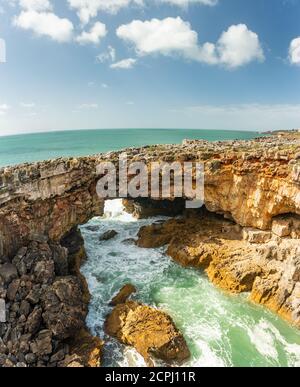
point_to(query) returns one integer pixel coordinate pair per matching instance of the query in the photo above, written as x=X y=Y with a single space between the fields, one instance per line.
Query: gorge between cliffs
x=223 y=281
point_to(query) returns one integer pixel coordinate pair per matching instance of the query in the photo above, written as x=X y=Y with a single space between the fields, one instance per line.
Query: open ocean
x=43 y=146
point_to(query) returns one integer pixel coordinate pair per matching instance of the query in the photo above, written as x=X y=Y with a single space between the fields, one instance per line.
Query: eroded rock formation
x=249 y=181
x=237 y=259
x=149 y=331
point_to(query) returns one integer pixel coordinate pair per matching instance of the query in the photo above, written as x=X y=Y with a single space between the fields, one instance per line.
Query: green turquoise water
x=43 y=146
x=221 y=330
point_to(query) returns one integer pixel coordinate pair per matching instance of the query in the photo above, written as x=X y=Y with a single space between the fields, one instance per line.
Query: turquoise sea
x=42 y=146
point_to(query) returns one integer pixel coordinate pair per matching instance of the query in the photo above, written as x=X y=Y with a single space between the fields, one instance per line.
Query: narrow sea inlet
x=221 y=330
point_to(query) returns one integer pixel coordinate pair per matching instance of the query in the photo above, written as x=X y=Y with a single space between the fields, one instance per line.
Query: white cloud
x=27 y=105
x=87 y=9
x=186 y=3
x=104 y=86
x=36 y=5
x=239 y=46
x=45 y=23
x=125 y=64
x=172 y=36
x=109 y=55
x=294 y=52
x=94 y=36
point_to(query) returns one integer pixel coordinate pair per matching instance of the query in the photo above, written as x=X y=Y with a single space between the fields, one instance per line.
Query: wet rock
x=92 y=228
x=8 y=272
x=123 y=295
x=108 y=235
x=129 y=242
x=150 y=331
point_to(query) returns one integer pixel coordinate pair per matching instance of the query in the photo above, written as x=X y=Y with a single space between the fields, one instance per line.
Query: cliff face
x=237 y=259
x=248 y=181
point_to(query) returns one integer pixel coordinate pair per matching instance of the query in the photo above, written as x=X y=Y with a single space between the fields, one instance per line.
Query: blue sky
x=211 y=64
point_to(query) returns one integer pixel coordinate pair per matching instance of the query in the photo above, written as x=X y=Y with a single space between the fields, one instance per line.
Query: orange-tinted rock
x=123 y=295
x=85 y=350
x=150 y=331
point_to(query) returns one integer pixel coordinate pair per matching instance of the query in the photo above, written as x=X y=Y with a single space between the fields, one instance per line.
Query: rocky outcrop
x=236 y=259
x=150 y=331
x=123 y=295
x=45 y=308
x=248 y=181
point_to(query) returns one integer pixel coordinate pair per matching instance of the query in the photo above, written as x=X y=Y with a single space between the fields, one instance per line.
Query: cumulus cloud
x=239 y=46
x=172 y=36
x=45 y=24
x=94 y=36
x=125 y=64
x=87 y=9
x=36 y=5
x=294 y=52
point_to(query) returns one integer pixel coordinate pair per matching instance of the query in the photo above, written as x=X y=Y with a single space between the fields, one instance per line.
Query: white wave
x=263 y=340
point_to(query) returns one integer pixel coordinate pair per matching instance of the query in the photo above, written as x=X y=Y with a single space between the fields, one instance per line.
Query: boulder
x=8 y=272
x=87 y=350
x=42 y=346
x=281 y=227
x=150 y=331
x=108 y=235
x=123 y=295
x=34 y=321
x=65 y=311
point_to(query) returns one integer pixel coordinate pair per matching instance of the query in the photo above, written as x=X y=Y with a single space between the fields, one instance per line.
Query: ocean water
x=221 y=330
x=44 y=146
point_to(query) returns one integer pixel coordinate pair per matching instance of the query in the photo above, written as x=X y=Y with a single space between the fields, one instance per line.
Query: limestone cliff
x=249 y=181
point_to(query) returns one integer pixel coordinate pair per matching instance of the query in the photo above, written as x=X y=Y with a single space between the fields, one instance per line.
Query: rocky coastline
x=247 y=239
